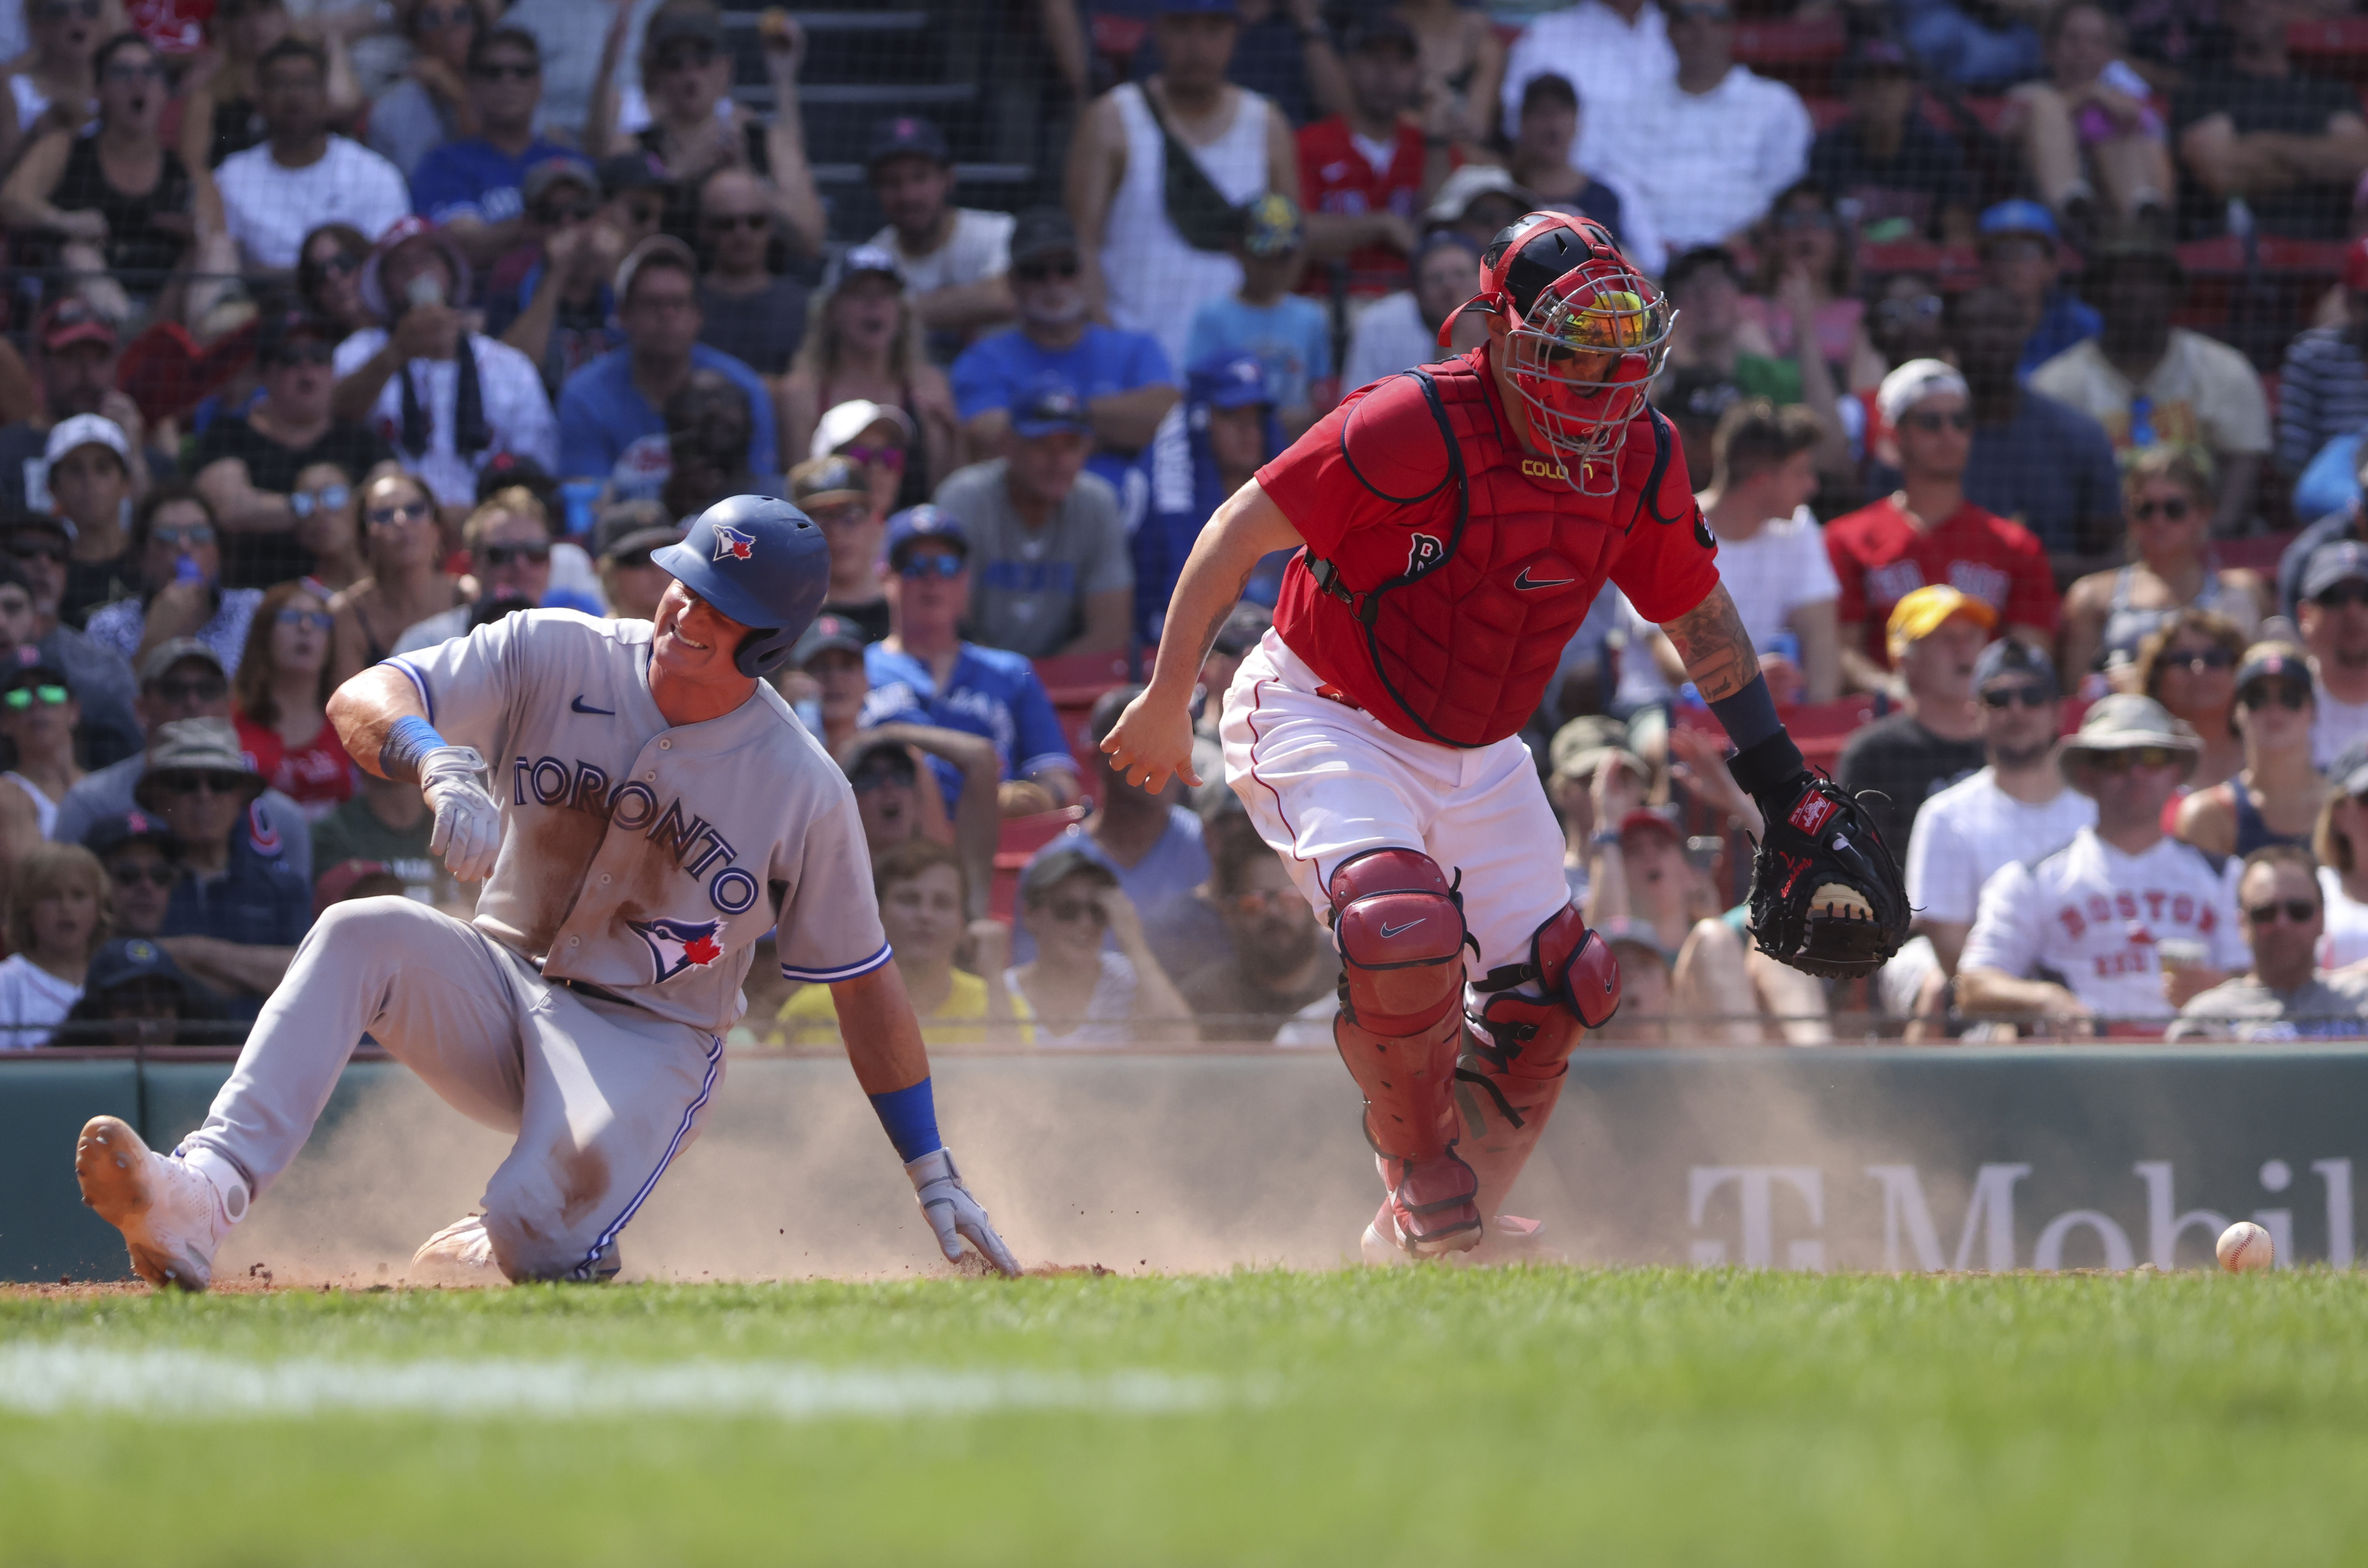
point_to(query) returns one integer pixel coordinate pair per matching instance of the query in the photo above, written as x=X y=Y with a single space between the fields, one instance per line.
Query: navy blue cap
x=906 y=136
x=917 y=523
x=2009 y=657
x=829 y=631
x=1049 y=405
x=1271 y=225
x=2332 y=564
x=2017 y=218
x=1228 y=381
x=127 y=958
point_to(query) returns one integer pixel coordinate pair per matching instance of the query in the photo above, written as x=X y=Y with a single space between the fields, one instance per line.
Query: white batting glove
x=468 y=824
x=953 y=1213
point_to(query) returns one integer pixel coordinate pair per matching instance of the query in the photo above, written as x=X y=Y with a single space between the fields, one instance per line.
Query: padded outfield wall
x=1827 y=1158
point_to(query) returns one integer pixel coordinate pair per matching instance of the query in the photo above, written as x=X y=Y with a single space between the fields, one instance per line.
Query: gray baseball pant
x=601 y=1095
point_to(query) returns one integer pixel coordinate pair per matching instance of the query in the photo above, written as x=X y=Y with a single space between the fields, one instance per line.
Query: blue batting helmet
x=761 y=562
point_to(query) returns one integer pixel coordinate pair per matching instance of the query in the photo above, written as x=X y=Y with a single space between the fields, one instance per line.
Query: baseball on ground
x=2244 y=1247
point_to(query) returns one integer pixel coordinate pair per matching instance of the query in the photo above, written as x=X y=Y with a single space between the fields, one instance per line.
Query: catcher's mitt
x=1827 y=896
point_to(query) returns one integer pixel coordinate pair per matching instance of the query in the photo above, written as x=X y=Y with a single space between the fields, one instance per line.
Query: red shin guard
x=1527 y=1019
x=1400 y=928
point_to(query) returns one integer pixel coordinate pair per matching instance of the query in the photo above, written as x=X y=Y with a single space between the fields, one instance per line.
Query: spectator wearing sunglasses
x=38 y=716
x=1051 y=572
x=629 y=531
x=2189 y=664
x=746 y=307
x=2107 y=615
x=2275 y=797
x=922 y=672
x=281 y=696
x=329 y=281
x=956 y=260
x=1927 y=532
x=2015 y=808
x=176 y=556
x=2334 y=619
x=1094 y=979
x=2074 y=940
x=837 y=494
x=1936 y=636
x=32 y=576
x=183 y=679
x=431 y=105
x=474 y=187
x=246 y=909
x=549 y=297
x=249 y=464
x=610 y=426
x=328 y=528
x=57 y=916
x=2284 y=993
x=2340 y=839
x=1126 y=377
x=508 y=540
x=143 y=861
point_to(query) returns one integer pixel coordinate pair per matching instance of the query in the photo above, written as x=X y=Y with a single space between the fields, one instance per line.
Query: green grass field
x=1417 y=1416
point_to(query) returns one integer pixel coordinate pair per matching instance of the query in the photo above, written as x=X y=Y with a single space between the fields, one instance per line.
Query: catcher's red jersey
x=1461 y=654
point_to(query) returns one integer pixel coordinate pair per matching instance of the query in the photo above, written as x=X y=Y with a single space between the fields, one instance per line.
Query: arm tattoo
x=1217 y=621
x=1716 y=650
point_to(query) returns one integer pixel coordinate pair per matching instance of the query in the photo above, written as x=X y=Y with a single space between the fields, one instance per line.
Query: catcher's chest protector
x=1503 y=559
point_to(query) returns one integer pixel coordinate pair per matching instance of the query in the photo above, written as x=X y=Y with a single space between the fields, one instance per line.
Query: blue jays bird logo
x=731 y=544
x=679 y=944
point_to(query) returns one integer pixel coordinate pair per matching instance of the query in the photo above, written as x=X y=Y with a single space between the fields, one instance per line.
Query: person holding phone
x=177 y=555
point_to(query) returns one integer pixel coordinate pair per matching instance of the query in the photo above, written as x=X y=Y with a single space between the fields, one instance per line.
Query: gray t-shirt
x=407 y=122
x=1027 y=586
x=2245 y=1009
x=760 y=330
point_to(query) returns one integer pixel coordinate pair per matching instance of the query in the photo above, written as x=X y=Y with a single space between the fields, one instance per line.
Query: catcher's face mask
x=1586 y=335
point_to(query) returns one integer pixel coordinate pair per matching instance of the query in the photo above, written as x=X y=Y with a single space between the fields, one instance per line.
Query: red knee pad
x=1529 y=1010
x=1399 y=924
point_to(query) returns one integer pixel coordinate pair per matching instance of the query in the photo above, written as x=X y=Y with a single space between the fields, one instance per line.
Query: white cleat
x=171 y=1214
x=459 y=1254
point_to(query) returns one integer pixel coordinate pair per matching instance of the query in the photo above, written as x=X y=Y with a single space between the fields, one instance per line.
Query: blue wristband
x=407 y=740
x=910 y=1114
x=1748 y=716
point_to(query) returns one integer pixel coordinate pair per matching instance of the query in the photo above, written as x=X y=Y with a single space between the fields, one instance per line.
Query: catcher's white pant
x=1322 y=781
x=601 y=1096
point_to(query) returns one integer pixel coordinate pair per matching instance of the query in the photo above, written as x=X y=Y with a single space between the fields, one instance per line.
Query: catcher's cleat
x=1429 y=1212
x=171 y=1214
x=460 y=1254
x=1827 y=896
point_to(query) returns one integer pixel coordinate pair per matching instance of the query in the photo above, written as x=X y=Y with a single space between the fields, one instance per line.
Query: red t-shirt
x=317 y=775
x=1534 y=553
x=1880 y=559
x=1335 y=177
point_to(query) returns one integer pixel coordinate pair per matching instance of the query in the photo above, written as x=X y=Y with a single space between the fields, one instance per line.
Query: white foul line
x=57 y=1379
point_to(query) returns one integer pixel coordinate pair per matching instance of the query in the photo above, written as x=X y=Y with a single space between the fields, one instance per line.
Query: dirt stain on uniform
x=583 y=1179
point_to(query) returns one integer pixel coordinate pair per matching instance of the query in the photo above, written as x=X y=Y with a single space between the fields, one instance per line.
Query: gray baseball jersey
x=645 y=857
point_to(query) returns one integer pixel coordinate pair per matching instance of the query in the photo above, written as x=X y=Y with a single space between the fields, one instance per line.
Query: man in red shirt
x=1927 y=532
x=1361 y=174
x=1452 y=524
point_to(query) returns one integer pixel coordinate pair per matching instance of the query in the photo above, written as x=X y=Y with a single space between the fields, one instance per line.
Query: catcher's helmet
x=1587 y=334
x=761 y=562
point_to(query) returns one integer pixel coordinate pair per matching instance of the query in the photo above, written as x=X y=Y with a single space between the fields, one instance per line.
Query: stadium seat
x=1804 y=52
x=1022 y=837
x=2334 y=46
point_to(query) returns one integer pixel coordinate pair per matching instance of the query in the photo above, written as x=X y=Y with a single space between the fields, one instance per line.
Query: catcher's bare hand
x=953 y=1213
x=1152 y=741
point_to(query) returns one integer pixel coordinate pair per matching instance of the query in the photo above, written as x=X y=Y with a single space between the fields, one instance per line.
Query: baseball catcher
x=1452 y=524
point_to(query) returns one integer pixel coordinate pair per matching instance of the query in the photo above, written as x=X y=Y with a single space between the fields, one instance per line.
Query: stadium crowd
x=2021 y=363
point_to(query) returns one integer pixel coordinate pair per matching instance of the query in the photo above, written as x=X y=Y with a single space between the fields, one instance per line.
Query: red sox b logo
x=1423 y=552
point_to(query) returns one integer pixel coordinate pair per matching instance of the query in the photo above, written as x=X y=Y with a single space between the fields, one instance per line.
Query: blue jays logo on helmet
x=679 y=944
x=731 y=544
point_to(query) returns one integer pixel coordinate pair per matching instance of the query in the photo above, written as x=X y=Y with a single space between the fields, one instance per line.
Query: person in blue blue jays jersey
x=655 y=809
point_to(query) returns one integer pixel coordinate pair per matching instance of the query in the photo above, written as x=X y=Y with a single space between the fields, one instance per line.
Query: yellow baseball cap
x=1917 y=615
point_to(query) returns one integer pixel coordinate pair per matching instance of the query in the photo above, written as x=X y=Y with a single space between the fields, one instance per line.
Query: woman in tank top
x=2168 y=501
x=2341 y=842
x=2276 y=796
x=38 y=715
x=863 y=342
x=1802 y=237
x=407 y=582
x=113 y=200
x=2189 y=666
x=53 y=91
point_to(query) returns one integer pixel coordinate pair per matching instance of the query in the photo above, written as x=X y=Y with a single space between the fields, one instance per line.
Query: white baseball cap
x=87 y=430
x=1912 y=383
x=848 y=420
